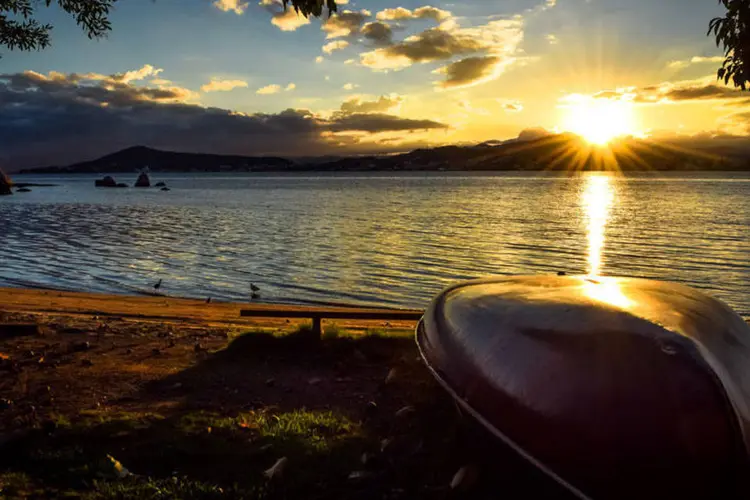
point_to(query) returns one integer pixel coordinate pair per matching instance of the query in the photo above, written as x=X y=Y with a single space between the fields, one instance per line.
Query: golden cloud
x=237 y=6
x=217 y=85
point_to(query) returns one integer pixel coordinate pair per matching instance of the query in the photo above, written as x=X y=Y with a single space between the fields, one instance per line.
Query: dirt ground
x=193 y=404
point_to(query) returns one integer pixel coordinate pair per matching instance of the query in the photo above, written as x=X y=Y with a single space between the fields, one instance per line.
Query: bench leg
x=317 y=328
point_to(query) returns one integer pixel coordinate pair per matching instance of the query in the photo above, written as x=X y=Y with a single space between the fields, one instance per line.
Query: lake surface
x=373 y=239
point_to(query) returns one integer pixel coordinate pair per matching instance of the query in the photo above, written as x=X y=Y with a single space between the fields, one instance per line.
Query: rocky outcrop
x=5 y=184
x=107 y=182
x=143 y=181
x=23 y=190
x=160 y=184
x=121 y=185
x=165 y=188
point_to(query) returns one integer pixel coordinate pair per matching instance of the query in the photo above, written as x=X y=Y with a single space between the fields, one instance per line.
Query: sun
x=598 y=121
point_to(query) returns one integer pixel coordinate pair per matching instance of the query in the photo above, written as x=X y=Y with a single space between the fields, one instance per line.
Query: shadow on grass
x=324 y=406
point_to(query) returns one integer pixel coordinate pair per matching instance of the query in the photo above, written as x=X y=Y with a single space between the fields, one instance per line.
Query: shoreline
x=196 y=402
x=172 y=309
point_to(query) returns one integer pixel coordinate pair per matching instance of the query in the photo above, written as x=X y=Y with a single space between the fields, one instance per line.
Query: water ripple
x=376 y=240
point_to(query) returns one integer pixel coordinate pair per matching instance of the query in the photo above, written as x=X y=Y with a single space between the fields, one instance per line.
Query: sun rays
x=599 y=121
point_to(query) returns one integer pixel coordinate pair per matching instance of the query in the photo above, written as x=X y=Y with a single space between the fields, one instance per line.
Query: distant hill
x=137 y=157
x=551 y=152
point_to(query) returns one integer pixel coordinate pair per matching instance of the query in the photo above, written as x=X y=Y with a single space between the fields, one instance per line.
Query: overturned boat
x=616 y=388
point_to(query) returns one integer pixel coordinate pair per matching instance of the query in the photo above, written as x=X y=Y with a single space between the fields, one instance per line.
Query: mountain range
x=550 y=152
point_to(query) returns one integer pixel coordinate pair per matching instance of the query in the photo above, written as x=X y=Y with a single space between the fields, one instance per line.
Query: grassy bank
x=107 y=407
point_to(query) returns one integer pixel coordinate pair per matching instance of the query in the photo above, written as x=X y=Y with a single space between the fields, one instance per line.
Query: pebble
x=359 y=474
x=87 y=362
x=315 y=381
x=465 y=478
x=276 y=471
x=391 y=377
x=385 y=444
x=405 y=411
x=80 y=346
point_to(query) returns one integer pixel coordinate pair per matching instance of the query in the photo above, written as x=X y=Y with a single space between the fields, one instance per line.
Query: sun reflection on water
x=598 y=199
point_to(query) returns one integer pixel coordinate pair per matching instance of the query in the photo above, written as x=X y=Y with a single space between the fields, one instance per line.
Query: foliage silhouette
x=732 y=32
x=19 y=28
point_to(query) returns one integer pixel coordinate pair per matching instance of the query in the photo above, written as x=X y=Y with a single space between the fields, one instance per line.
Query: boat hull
x=616 y=388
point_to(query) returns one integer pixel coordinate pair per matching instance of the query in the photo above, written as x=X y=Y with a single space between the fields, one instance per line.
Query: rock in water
x=5 y=184
x=107 y=181
x=160 y=184
x=615 y=388
x=143 y=181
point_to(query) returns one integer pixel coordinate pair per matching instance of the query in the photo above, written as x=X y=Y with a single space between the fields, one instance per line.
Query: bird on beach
x=157 y=285
x=208 y=300
x=254 y=290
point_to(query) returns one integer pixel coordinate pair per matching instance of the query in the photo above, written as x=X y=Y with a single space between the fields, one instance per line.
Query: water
x=374 y=239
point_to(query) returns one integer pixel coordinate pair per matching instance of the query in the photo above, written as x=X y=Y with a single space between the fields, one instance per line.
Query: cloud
x=216 y=85
x=99 y=89
x=687 y=90
x=470 y=71
x=511 y=106
x=319 y=59
x=400 y=13
x=331 y=47
x=269 y=89
x=376 y=122
x=347 y=23
x=350 y=86
x=275 y=89
x=383 y=104
x=63 y=118
x=286 y=19
x=139 y=74
x=380 y=34
x=236 y=6
x=498 y=41
x=682 y=64
x=552 y=39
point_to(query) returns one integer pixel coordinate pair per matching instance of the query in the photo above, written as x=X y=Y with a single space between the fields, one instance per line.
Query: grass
x=332 y=331
x=208 y=454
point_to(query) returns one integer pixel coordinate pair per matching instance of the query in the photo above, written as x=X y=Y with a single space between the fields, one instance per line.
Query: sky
x=381 y=76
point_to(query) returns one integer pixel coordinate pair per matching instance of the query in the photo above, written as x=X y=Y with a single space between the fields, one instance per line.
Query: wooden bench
x=317 y=314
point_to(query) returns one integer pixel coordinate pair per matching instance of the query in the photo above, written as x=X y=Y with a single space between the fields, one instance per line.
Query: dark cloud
x=377 y=122
x=492 y=43
x=703 y=92
x=378 y=33
x=60 y=119
x=676 y=92
x=469 y=71
x=384 y=103
x=346 y=23
x=434 y=45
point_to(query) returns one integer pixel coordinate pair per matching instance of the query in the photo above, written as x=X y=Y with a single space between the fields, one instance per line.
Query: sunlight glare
x=599 y=120
x=598 y=199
